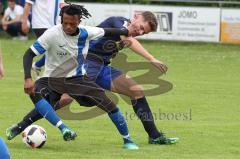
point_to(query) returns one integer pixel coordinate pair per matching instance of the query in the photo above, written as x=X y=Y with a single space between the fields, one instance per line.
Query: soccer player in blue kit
x=116 y=81
x=113 y=79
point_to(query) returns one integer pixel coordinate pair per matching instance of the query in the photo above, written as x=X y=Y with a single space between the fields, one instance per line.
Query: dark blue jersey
x=108 y=47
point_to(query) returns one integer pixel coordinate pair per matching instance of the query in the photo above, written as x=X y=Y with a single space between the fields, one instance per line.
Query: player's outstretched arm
x=1 y=66
x=97 y=32
x=115 y=32
x=137 y=47
x=27 y=65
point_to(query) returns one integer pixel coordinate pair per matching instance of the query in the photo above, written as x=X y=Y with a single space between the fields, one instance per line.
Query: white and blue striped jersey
x=65 y=54
x=45 y=13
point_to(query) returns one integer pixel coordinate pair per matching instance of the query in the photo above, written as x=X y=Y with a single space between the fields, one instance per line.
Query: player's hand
x=1 y=71
x=25 y=27
x=29 y=86
x=160 y=65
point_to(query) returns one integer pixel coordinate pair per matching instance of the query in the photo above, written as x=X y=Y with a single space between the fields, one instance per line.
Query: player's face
x=138 y=26
x=70 y=23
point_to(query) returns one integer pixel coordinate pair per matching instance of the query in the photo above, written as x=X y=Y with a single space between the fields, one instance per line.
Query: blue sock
x=46 y=110
x=40 y=62
x=4 y=153
x=119 y=121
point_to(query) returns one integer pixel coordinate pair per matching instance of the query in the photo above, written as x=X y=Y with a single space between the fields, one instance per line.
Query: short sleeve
x=41 y=45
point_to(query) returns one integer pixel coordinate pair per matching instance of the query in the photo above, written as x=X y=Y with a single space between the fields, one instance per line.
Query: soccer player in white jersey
x=66 y=46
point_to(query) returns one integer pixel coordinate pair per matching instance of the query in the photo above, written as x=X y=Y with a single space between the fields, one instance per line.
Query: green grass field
x=205 y=80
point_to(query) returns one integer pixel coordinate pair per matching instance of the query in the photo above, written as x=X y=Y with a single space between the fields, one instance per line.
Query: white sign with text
x=175 y=23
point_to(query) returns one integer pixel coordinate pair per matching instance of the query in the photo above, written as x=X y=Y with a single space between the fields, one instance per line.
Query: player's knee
x=136 y=92
x=65 y=100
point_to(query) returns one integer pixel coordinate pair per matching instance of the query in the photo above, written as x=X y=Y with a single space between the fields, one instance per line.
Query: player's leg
x=46 y=110
x=28 y=120
x=4 y=153
x=119 y=121
x=115 y=115
x=32 y=116
x=123 y=84
x=96 y=96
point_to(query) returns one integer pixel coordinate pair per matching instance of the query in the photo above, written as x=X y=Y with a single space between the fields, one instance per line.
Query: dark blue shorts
x=102 y=74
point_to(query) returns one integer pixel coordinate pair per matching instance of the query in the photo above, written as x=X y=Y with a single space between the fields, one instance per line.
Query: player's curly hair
x=74 y=9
